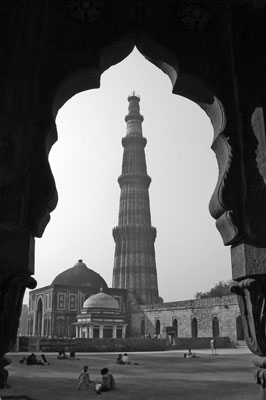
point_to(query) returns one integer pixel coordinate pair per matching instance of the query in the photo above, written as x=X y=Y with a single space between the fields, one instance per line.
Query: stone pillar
x=77 y=331
x=124 y=331
x=91 y=332
x=101 y=332
x=50 y=327
x=34 y=324
x=37 y=348
x=16 y=267
x=114 y=331
x=249 y=272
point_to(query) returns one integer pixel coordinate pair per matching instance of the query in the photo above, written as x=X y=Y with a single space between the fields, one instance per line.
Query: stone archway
x=194 y=328
x=225 y=205
x=199 y=45
x=175 y=326
x=157 y=327
x=215 y=327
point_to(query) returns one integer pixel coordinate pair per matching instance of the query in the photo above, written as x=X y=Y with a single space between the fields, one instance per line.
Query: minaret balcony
x=132 y=232
x=134 y=115
x=134 y=179
x=136 y=139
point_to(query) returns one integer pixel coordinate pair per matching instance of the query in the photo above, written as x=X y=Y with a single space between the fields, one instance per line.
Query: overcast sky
x=86 y=162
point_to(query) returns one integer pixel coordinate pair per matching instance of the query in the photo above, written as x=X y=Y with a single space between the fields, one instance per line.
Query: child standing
x=84 y=378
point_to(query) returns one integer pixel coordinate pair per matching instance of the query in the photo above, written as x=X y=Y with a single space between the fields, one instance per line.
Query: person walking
x=84 y=378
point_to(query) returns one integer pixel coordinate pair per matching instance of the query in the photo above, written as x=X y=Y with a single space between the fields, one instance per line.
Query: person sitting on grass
x=125 y=359
x=62 y=355
x=84 y=378
x=108 y=382
x=119 y=359
x=190 y=354
x=32 y=360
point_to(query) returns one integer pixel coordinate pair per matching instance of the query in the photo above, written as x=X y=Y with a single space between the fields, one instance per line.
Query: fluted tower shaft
x=134 y=263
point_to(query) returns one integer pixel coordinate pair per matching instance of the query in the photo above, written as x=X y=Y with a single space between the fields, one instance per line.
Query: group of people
x=122 y=359
x=108 y=382
x=190 y=354
x=33 y=360
x=62 y=355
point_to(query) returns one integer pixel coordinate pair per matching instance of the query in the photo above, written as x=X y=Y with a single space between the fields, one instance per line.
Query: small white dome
x=101 y=300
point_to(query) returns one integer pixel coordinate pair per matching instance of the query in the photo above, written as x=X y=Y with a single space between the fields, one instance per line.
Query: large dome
x=80 y=275
x=101 y=300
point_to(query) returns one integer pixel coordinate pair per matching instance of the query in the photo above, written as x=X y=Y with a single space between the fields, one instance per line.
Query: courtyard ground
x=160 y=375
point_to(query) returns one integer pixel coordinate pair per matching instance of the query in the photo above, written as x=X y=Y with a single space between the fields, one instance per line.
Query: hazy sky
x=86 y=162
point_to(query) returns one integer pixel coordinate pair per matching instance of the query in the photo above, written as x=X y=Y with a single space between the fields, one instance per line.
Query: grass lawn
x=165 y=375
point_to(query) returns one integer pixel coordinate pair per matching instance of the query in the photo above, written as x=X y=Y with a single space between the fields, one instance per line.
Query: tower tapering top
x=134 y=118
x=134 y=94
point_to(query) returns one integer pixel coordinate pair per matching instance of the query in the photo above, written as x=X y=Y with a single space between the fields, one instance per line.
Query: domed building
x=101 y=317
x=53 y=309
x=81 y=276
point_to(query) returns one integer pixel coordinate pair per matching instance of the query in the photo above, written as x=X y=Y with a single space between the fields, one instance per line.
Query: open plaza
x=155 y=375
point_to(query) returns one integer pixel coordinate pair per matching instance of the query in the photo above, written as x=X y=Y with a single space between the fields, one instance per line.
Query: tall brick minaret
x=134 y=263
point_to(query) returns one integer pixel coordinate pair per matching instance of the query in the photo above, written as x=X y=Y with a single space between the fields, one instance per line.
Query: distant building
x=53 y=309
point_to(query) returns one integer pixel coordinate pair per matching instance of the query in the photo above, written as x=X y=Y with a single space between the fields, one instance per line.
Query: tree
x=220 y=289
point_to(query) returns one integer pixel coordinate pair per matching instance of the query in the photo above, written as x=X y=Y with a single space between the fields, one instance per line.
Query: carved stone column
x=260 y=377
x=248 y=265
x=16 y=267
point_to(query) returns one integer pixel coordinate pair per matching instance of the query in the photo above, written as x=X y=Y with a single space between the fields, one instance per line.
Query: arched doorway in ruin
x=142 y=328
x=39 y=318
x=194 y=328
x=239 y=328
x=215 y=327
x=157 y=328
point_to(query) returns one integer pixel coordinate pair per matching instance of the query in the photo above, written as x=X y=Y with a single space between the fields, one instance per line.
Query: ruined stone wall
x=225 y=309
